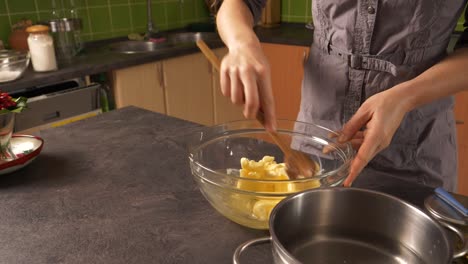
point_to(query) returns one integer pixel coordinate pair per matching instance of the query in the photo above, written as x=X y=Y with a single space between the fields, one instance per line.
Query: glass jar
x=65 y=32
x=77 y=25
x=41 y=47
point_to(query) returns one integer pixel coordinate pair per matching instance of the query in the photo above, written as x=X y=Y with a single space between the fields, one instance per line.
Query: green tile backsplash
x=296 y=11
x=300 y=11
x=112 y=18
x=106 y=18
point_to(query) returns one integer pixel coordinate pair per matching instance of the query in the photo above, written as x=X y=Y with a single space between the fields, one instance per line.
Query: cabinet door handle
x=459 y=122
x=52 y=115
x=304 y=57
x=161 y=75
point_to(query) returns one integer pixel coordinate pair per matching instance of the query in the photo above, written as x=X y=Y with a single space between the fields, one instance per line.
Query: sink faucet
x=151 y=31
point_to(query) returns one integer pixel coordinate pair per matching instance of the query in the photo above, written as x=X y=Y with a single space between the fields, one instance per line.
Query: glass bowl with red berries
x=9 y=107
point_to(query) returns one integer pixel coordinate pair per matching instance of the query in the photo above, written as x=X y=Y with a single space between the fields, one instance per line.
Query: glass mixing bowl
x=13 y=64
x=215 y=154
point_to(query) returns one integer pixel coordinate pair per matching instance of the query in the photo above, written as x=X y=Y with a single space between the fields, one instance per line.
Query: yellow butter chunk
x=262 y=209
x=266 y=169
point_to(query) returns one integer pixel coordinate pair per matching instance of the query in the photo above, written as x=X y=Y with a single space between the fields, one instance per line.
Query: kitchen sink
x=172 y=40
x=135 y=46
x=191 y=37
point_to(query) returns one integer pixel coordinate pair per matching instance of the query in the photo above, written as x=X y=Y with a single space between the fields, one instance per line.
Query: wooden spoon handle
x=274 y=135
x=209 y=54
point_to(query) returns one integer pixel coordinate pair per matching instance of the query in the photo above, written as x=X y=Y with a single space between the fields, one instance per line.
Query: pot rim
x=292 y=197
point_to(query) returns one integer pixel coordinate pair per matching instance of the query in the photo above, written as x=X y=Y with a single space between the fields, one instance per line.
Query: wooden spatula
x=298 y=164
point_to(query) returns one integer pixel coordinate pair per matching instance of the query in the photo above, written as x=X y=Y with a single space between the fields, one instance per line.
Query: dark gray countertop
x=98 y=58
x=113 y=189
x=117 y=188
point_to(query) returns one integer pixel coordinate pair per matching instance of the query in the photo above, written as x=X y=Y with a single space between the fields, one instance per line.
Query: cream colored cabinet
x=188 y=88
x=461 y=115
x=286 y=63
x=224 y=110
x=179 y=87
x=140 y=86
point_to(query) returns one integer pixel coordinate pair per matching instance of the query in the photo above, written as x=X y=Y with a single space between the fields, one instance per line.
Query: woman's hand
x=246 y=80
x=245 y=72
x=380 y=116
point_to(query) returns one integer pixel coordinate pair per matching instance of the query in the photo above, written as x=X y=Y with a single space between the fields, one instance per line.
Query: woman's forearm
x=443 y=79
x=245 y=75
x=235 y=23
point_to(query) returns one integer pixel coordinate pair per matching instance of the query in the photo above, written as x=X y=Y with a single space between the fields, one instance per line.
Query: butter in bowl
x=241 y=172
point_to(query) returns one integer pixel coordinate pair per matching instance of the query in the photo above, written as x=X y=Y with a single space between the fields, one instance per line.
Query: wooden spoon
x=298 y=164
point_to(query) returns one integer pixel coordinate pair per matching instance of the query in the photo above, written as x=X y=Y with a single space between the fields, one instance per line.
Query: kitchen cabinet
x=180 y=87
x=461 y=115
x=141 y=86
x=286 y=63
x=188 y=88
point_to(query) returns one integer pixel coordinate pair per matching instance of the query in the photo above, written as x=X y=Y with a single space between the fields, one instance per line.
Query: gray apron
x=364 y=47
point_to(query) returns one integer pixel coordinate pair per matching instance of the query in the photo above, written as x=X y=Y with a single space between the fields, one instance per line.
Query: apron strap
x=385 y=63
x=365 y=62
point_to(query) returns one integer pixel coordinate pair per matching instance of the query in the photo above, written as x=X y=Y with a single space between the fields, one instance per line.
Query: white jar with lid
x=41 y=47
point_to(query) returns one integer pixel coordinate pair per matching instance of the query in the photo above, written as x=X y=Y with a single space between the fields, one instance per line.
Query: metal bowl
x=350 y=225
x=215 y=155
x=13 y=64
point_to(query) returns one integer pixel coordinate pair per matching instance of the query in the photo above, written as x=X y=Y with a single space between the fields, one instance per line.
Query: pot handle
x=461 y=252
x=245 y=245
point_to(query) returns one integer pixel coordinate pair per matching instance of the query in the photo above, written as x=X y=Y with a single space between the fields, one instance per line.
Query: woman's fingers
x=371 y=144
x=359 y=135
x=366 y=142
x=237 y=88
x=246 y=79
x=252 y=103
x=354 y=125
x=356 y=143
x=225 y=81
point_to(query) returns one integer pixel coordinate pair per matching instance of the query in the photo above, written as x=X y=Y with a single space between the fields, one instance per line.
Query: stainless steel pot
x=350 y=225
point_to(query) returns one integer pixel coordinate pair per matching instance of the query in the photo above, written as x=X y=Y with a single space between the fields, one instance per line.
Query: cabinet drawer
x=53 y=107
